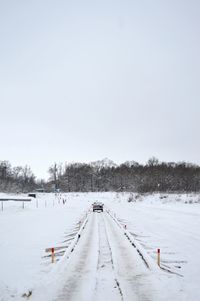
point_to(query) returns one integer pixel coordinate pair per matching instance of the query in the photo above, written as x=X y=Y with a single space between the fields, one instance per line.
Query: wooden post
x=52 y=255
x=158 y=257
x=22 y=205
x=2 y=205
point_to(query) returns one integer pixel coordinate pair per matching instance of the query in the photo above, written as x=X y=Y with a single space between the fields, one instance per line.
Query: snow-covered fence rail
x=16 y=199
x=2 y=200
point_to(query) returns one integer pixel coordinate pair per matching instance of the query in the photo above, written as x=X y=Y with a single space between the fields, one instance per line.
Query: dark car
x=97 y=207
x=33 y=195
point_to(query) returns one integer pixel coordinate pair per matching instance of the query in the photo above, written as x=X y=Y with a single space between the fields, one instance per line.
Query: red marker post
x=158 y=257
x=52 y=255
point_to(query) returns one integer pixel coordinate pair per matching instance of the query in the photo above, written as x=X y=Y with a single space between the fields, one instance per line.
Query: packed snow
x=104 y=263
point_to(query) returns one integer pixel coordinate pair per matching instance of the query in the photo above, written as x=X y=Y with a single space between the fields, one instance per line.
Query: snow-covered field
x=104 y=264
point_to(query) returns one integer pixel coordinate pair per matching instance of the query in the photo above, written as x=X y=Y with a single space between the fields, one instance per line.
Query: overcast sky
x=84 y=80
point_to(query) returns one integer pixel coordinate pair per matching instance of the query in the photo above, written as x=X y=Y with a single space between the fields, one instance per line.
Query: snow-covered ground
x=104 y=264
x=26 y=233
x=171 y=223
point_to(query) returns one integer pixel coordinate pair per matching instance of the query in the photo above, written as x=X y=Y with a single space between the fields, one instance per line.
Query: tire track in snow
x=106 y=282
x=78 y=283
x=134 y=277
x=105 y=266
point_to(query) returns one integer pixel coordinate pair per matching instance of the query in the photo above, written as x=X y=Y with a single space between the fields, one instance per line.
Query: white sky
x=84 y=80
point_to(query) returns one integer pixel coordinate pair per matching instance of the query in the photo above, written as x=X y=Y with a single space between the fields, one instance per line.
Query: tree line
x=16 y=179
x=154 y=176
x=104 y=175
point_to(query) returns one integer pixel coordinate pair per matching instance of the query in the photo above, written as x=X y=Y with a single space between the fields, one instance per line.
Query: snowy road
x=105 y=265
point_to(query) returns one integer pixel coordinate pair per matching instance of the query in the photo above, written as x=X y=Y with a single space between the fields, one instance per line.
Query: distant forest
x=16 y=179
x=104 y=175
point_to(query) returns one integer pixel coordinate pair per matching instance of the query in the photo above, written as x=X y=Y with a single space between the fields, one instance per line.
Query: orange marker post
x=158 y=257
x=52 y=255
